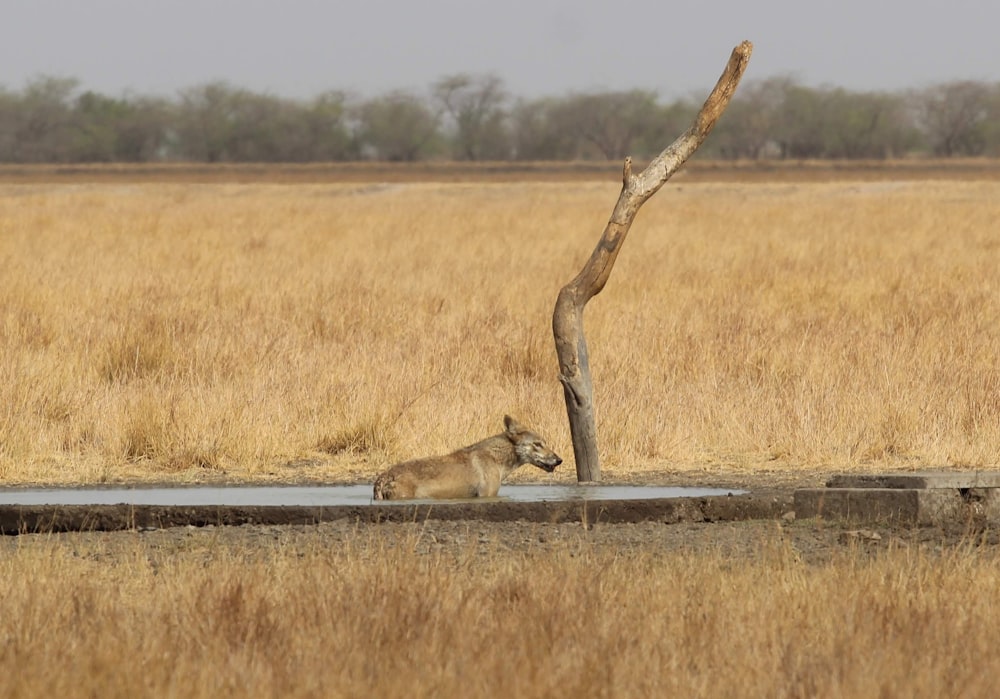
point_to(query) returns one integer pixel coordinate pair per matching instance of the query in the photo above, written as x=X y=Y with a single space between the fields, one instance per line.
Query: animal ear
x=511 y=425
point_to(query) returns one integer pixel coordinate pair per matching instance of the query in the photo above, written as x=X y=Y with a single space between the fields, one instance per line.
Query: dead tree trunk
x=567 y=318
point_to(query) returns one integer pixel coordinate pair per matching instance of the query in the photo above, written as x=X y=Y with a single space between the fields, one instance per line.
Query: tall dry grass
x=182 y=331
x=369 y=619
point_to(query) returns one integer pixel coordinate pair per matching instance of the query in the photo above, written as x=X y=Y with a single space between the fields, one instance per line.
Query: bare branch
x=567 y=318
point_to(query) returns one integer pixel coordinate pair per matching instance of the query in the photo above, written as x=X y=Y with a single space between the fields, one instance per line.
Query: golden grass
x=368 y=618
x=183 y=331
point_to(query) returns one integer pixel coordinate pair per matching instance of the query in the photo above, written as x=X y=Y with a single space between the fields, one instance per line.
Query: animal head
x=529 y=447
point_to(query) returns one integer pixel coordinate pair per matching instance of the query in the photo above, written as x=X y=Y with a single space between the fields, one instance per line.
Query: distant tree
x=801 y=128
x=206 y=121
x=107 y=129
x=753 y=123
x=609 y=122
x=665 y=123
x=954 y=117
x=991 y=129
x=398 y=126
x=866 y=125
x=581 y=127
x=470 y=117
x=265 y=129
x=142 y=132
x=537 y=134
x=95 y=122
x=222 y=123
x=40 y=121
x=476 y=109
x=9 y=116
x=327 y=135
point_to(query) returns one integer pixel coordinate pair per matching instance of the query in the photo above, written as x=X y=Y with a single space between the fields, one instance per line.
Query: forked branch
x=567 y=318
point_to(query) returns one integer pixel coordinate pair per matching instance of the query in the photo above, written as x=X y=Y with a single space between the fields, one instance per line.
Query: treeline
x=474 y=117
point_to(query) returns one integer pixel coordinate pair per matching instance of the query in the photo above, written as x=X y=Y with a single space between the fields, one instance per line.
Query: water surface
x=325 y=496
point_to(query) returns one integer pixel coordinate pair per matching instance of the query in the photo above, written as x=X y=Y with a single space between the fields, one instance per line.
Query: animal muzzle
x=550 y=465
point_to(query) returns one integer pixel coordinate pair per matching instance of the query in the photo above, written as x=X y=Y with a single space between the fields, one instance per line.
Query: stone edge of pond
x=30 y=519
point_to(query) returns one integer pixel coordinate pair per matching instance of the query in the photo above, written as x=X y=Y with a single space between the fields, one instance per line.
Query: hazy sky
x=300 y=48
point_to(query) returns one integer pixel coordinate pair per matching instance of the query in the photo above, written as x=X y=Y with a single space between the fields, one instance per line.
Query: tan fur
x=475 y=471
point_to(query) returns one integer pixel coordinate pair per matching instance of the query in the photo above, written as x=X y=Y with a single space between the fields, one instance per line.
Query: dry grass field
x=159 y=329
x=178 y=331
x=393 y=613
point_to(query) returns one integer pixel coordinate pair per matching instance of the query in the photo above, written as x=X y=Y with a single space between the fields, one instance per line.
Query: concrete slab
x=919 y=506
x=921 y=480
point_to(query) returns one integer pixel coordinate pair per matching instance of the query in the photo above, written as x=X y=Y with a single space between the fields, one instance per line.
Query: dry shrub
x=373 y=435
x=207 y=456
x=148 y=432
x=527 y=354
x=137 y=350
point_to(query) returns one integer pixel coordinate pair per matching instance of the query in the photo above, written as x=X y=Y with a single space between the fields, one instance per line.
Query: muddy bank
x=16 y=519
x=813 y=541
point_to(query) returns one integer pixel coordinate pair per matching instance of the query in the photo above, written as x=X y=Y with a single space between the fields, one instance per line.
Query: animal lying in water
x=474 y=471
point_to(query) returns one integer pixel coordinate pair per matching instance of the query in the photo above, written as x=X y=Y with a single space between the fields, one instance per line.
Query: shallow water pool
x=326 y=496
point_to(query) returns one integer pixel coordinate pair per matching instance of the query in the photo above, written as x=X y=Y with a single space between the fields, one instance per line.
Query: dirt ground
x=379 y=172
x=813 y=541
